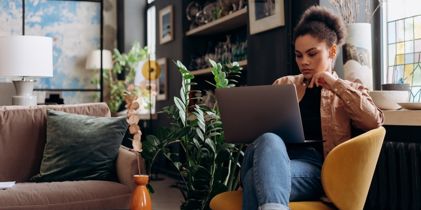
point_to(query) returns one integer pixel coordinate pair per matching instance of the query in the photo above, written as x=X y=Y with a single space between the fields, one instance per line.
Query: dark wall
x=130 y=21
x=173 y=51
x=271 y=53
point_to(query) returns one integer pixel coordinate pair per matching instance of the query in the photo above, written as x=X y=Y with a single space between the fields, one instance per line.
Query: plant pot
x=122 y=75
x=357 y=54
x=141 y=200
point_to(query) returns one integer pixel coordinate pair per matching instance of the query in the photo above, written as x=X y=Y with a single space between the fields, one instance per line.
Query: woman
x=272 y=174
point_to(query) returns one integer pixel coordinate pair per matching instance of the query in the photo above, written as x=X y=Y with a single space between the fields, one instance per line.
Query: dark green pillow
x=80 y=147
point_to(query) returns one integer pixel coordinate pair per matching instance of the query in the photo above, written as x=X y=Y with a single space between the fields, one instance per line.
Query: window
x=151 y=28
x=401 y=21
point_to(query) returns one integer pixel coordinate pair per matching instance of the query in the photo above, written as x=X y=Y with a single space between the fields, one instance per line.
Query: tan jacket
x=348 y=104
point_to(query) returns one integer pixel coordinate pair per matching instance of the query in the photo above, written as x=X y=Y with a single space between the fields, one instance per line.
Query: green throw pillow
x=80 y=147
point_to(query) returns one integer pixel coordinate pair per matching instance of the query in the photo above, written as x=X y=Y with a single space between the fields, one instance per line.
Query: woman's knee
x=270 y=141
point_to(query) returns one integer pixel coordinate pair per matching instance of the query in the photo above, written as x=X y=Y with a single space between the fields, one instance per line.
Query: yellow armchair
x=346 y=176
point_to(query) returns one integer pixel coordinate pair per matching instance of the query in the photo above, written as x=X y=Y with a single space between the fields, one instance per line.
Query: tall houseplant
x=122 y=75
x=205 y=163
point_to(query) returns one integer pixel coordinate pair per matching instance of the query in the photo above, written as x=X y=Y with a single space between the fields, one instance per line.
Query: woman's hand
x=324 y=79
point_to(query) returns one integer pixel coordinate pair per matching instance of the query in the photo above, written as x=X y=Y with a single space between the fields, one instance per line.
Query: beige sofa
x=22 y=139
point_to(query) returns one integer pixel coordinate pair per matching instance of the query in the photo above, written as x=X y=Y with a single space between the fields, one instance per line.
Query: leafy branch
x=122 y=75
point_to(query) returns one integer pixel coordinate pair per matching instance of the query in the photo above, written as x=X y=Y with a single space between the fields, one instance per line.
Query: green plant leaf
x=200 y=134
x=211 y=145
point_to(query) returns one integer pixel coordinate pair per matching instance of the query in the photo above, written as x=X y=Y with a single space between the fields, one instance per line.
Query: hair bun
x=328 y=18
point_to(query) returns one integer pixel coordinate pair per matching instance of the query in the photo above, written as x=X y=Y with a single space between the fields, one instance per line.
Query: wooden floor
x=166 y=197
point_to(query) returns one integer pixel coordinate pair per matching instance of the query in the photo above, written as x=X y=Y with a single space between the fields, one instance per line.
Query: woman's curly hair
x=323 y=24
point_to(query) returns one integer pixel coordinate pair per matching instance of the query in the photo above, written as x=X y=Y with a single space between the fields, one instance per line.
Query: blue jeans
x=272 y=175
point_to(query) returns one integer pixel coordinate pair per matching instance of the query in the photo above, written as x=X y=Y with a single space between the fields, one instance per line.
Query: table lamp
x=93 y=62
x=25 y=56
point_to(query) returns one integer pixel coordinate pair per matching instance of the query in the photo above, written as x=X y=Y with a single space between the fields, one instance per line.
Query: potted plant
x=205 y=163
x=122 y=75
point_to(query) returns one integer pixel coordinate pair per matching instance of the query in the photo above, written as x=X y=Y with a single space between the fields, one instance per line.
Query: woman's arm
x=361 y=108
x=359 y=105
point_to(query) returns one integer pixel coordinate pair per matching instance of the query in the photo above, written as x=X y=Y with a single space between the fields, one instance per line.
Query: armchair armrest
x=126 y=166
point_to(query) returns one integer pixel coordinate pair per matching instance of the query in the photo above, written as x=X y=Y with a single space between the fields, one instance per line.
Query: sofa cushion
x=66 y=195
x=22 y=136
x=80 y=147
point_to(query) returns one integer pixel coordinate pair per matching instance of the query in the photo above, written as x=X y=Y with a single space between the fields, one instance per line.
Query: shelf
x=228 y=22
x=208 y=70
x=402 y=117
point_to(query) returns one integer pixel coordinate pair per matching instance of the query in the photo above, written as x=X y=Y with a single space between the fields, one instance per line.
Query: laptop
x=248 y=112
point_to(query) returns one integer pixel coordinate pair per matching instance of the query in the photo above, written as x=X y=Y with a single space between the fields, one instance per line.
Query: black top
x=310 y=114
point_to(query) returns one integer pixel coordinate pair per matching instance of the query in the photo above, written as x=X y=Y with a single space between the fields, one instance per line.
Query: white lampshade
x=93 y=62
x=26 y=56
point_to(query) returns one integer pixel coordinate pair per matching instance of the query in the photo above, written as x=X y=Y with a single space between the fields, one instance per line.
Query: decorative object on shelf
x=206 y=164
x=389 y=99
x=192 y=11
x=163 y=79
x=357 y=54
x=212 y=11
x=141 y=199
x=223 y=52
x=229 y=6
x=166 y=25
x=26 y=56
x=199 y=14
x=357 y=51
x=265 y=15
x=411 y=105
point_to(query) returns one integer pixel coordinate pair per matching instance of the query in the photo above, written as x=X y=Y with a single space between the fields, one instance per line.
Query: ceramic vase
x=357 y=54
x=141 y=200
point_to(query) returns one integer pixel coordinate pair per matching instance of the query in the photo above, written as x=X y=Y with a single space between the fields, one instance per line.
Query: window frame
x=149 y=6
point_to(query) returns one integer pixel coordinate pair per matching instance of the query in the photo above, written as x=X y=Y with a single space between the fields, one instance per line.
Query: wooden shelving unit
x=226 y=23
x=208 y=70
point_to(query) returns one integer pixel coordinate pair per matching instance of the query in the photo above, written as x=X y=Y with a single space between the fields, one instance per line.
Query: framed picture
x=265 y=15
x=166 y=28
x=163 y=79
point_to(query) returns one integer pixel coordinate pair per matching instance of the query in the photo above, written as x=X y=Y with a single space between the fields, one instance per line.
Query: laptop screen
x=248 y=112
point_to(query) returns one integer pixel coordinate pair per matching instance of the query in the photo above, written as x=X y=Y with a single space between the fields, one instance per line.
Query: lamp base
x=24 y=100
x=24 y=95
